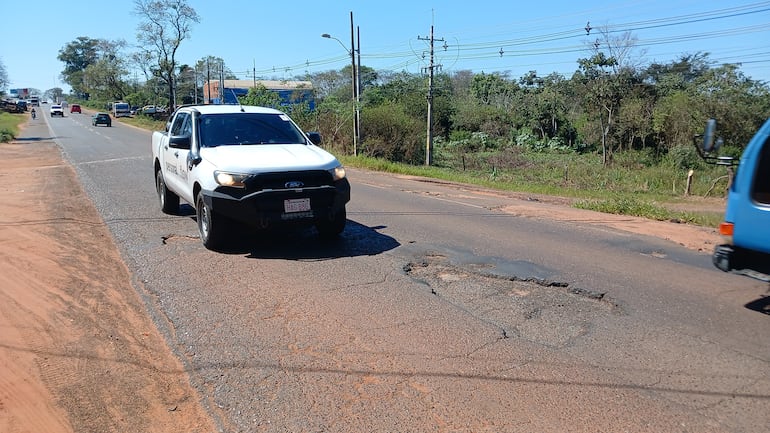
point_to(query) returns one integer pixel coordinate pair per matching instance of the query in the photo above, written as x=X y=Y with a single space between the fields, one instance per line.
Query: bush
x=684 y=157
x=392 y=134
x=6 y=135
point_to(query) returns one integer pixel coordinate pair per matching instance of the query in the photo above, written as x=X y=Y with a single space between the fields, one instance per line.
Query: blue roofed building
x=228 y=91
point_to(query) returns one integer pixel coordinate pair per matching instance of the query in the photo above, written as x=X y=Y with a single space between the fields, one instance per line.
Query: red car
x=75 y=108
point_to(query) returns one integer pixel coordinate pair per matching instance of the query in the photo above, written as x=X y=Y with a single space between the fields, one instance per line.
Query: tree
x=261 y=96
x=165 y=24
x=54 y=94
x=494 y=89
x=3 y=78
x=77 y=56
x=327 y=83
x=619 y=47
x=187 y=85
x=739 y=104
x=603 y=94
x=105 y=79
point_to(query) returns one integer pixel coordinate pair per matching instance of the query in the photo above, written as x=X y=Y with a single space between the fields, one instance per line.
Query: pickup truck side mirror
x=712 y=143
x=315 y=137
x=179 y=141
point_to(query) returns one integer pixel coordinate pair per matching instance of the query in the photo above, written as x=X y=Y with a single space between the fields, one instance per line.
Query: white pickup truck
x=250 y=165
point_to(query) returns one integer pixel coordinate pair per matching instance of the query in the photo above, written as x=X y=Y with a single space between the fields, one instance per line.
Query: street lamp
x=354 y=82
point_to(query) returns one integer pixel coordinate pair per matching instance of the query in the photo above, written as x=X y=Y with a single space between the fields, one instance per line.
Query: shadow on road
x=33 y=139
x=306 y=244
x=761 y=305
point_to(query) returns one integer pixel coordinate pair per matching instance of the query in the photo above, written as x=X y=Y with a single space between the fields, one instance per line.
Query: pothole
x=544 y=311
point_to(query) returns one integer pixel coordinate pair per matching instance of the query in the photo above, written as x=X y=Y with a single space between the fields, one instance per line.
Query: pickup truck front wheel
x=211 y=226
x=169 y=202
x=333 y=225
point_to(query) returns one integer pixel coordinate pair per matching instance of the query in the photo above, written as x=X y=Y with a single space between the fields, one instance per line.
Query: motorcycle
x=33 y=114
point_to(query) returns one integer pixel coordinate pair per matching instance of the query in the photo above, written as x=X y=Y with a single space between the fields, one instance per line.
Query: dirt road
x=77 y=350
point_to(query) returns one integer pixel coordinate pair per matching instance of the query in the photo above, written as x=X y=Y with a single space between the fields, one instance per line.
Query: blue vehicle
x=747 y=217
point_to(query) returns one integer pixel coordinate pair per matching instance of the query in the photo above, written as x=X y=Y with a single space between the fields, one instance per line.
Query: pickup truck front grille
x=289 y=180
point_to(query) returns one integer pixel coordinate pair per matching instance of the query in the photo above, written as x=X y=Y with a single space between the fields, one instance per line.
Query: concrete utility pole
x=354 y=74
x=355 y=80
x=358 y=88
x=431 y=67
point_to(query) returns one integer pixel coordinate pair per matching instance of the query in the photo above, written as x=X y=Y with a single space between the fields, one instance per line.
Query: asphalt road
x=434 y=311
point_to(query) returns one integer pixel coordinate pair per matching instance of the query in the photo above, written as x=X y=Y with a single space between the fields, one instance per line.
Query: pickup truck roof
x=228 y=109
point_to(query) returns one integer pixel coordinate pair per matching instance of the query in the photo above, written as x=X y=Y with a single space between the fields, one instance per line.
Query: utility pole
x=431 y=67
x=353 y=82
x=358 y=87
x=208 y=82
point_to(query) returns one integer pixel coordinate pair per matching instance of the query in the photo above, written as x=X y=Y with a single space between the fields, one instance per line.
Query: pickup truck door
x=175 y=157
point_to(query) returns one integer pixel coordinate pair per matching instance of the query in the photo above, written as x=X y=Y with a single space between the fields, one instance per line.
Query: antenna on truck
x=237 y=100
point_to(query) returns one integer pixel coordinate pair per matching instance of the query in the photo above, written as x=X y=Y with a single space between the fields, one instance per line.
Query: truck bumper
x=266 y=208
x=754 y=264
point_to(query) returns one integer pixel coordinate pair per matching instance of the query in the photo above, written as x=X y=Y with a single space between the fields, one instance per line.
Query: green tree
x=495 y=90
x=676 y=118
x=77 y=56
x=187 y=88
x=261 y=96
x=543 y=109
x=105 y=79
x=334 y=119
x=54 y=94
x=165 y=25
x=603 y=91
x=739 y=104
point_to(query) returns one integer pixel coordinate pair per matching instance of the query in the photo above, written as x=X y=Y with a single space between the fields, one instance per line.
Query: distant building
x=290 y=92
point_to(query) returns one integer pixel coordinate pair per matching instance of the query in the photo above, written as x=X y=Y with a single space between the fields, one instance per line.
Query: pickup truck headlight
x=338 y=173
x=235 y=180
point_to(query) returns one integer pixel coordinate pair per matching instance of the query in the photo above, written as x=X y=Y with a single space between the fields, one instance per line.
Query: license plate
x=296 y=205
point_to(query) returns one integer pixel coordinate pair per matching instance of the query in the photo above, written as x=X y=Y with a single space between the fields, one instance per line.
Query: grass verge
x=625 y=196
x=9 y=125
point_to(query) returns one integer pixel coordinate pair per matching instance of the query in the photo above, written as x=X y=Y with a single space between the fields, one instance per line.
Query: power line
x=517 y=47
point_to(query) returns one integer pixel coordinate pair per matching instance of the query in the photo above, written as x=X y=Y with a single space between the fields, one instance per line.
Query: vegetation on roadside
x=653 y=193
x=9 y=125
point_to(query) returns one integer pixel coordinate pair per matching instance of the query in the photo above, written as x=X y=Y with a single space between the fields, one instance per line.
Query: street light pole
x=354 y=83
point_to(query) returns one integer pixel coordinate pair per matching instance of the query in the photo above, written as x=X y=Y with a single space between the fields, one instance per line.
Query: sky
x=282 y=40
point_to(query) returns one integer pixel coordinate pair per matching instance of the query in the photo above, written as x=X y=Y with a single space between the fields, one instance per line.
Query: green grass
x=650 y=210
x=627 y=188
x=145 y=123
x=9 y=125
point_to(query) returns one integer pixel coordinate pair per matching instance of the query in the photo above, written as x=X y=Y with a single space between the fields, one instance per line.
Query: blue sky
x=283 y=39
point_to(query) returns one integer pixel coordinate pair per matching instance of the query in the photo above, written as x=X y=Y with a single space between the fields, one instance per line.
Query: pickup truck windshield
x=248 y=128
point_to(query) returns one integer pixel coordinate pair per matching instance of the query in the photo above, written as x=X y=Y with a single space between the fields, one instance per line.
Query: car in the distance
x=56 y=110
x=149 y=109
x=101 y=119
x=75 y=108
